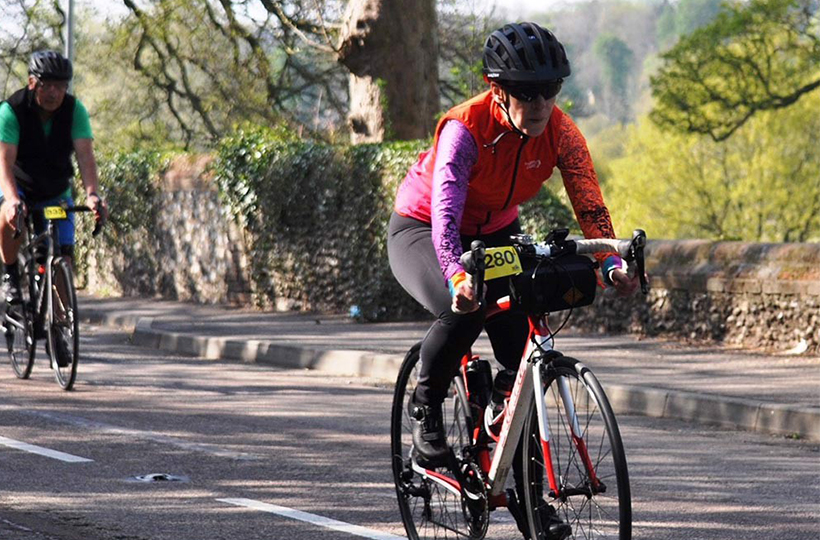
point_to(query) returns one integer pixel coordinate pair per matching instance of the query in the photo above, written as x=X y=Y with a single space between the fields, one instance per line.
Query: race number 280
x=500 y=262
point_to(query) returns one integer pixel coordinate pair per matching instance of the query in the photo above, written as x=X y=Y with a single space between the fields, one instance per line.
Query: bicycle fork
x=576 y=433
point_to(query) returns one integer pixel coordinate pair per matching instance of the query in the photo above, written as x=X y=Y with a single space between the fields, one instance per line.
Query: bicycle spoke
x=589 y=513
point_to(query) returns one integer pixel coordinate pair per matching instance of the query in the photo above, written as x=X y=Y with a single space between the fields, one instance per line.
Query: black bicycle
x=48 y=309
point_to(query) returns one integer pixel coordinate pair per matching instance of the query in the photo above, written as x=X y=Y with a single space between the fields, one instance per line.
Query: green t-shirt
x=10 y=128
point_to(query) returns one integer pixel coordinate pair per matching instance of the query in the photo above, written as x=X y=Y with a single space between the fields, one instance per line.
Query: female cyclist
x=490 y=154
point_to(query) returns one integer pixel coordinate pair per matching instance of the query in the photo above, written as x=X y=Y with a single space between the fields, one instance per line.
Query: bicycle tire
x=63 y=325
x=19 y=332
x=18 y=325
x=428 y=511
x=598 y=514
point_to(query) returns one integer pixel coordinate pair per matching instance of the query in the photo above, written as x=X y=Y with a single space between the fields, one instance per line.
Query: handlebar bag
x=550 y=285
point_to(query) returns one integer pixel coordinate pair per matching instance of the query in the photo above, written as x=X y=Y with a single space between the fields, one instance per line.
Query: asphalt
x=732 y=388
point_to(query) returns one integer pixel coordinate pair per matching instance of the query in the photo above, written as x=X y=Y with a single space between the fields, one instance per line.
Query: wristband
x=455 y=280
x=612 y=263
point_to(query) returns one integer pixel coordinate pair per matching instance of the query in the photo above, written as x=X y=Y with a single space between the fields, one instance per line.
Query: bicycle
x=49 y=302
x=556 y=408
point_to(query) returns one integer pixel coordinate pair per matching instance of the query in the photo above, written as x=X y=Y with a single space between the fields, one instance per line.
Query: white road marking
x=313 y=519
x=102 y=427
x=34 y=449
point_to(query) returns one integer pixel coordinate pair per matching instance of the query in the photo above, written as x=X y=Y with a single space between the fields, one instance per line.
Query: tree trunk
x=391 y=50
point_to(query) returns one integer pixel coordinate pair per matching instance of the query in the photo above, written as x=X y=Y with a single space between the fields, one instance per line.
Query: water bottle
x=479 y=381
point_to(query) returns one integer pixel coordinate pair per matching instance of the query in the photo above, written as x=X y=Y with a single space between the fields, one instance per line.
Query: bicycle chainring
x=475 y=500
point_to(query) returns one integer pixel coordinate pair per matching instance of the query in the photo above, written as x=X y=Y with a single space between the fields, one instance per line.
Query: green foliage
x=128 y=184
x=317 y=218
x=755 y=56
x=546 y=212
x=462 y=29
x=760 y=185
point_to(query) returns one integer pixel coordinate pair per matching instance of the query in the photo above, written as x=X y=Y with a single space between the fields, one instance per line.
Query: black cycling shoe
x=552 y=526
x=429 y=440
x=557 y=528
x=11 y=288
x=62 y=357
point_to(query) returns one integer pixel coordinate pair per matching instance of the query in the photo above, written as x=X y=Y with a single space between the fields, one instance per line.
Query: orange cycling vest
x=510 y=169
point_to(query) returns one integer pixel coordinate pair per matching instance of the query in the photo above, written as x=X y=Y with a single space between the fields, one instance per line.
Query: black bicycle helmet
x=50 y=65
x=524 y=53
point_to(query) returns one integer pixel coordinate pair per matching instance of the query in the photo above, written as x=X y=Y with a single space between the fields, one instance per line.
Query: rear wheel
x=432 y=509
x=63 y=327
x=595 y=505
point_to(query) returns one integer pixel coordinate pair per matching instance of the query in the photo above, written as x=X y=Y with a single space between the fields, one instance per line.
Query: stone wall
x=189 y=249
x=758 y=295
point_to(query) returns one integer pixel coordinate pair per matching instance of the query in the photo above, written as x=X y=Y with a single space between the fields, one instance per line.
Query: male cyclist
x=490 y=154
x=41 y=125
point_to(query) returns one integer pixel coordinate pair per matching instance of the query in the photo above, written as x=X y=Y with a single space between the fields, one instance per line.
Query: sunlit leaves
x=756 y=56
x=762 y=184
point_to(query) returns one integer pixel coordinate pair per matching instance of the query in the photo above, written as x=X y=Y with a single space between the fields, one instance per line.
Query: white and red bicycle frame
x=528 y=386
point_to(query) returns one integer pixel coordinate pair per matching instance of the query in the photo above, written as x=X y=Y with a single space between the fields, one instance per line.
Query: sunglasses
x=52 y=85
x=528 y=93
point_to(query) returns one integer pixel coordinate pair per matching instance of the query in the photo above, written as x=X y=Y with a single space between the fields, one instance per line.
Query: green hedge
x=315 y=219
x=128 y=182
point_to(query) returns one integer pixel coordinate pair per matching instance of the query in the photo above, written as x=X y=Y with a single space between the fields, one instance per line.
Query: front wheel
x=589 y=465
x=18 y=328
x=63 y=325
x=19 y=333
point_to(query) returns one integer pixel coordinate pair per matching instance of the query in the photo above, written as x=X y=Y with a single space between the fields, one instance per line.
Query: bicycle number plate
x=55 y=212
x=501 y=262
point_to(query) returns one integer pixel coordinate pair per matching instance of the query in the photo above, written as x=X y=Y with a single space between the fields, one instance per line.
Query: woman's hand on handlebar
x=463 y=292
x=625 y=284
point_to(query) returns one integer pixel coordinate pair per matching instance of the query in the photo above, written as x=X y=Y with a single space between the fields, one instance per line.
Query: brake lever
x=18 y=221
x=479 y=251
x=473 y=263
x=98 y=226
x=636 y=253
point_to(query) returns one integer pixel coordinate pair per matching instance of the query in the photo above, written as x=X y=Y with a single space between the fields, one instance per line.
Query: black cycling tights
x=415 y=265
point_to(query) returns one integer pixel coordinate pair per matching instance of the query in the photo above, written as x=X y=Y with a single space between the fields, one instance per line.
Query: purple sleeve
x=456 y=154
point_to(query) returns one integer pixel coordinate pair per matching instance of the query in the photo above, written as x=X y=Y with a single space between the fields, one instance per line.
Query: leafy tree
x=212 y=63
x=760 y=185
x=462 y=31
x=546 y=211
x=756 y=56
x=26 y=26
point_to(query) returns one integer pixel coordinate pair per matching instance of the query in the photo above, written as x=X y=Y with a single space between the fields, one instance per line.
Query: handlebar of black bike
x=18 y=220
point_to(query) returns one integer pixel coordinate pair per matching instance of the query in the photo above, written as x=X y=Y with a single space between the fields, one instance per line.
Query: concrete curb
x=735 y=413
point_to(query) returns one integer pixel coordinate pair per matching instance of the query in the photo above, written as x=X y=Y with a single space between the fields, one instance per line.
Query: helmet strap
x=505 y=106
